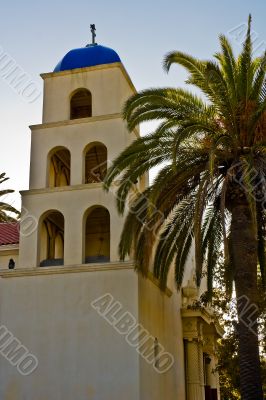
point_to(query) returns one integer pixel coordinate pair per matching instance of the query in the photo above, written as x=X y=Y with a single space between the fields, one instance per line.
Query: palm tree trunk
x=244 y=253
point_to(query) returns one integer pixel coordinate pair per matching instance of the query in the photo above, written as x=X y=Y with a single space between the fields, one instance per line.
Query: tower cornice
x=89 y=69
x=68 y=122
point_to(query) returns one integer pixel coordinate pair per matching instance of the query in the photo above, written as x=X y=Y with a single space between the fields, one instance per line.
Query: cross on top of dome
x=93 y=33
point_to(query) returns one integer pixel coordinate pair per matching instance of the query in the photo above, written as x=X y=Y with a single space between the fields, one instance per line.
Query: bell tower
x=91 y=327
x=81 y=133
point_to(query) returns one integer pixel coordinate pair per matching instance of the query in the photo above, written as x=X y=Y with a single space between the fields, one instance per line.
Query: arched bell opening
x=59 y=160
x=81 y=104
x=51 y=239
x=95 y=163
x=97 y=235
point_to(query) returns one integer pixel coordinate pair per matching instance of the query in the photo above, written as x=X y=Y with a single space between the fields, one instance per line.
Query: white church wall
x=80 y=355
x=160 y=315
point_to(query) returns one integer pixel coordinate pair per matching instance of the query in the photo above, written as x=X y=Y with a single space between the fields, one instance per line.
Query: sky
x=35 y=35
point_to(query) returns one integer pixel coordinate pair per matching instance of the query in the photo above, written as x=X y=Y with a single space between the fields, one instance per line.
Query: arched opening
x=97 y=235
x=51 y=239
x=81 y=104
x=59 y=167
x=95 y=163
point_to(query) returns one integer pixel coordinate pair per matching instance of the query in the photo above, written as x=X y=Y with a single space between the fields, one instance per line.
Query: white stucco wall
x=80 y=355
x=160 y=314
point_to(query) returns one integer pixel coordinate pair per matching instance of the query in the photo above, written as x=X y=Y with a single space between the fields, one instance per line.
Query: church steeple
x=82 y=132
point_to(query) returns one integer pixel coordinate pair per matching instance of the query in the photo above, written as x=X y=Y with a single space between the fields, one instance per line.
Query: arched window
x=81 y=104
x=95 y=163
x=51 y=239
x=59 y=167
x=97 y=235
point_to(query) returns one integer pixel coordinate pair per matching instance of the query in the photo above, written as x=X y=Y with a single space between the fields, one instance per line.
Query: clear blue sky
x=37 y=34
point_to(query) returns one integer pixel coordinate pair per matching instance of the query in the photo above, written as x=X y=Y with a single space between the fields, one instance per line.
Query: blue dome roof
x=87 y=57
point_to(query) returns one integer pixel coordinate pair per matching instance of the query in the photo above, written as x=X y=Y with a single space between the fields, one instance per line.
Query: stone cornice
x=203 y=315
x=70 y=188
x=88 y=69
x=70 y=122
x=156 y=282
x=64 y=269
x=9 y=249
x=96 y=118
x=22 y=272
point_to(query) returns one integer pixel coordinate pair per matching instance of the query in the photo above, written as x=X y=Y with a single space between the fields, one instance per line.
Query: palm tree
x=211 y=188
x=6 y=210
